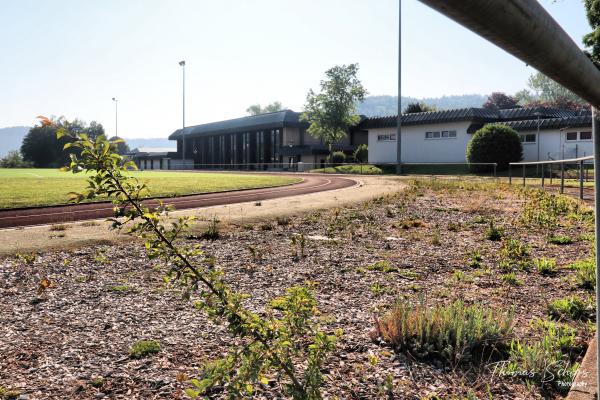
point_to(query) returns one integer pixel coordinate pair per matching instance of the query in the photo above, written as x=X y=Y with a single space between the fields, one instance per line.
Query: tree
x=14 y=160
x=547 y=93
x=256 y=109
x=122 y=146
x=332 y=111
x=592 y=40
x=361 y=154
x=416 y=107
x=500 y=101
x=494 y=143
x=42 y=148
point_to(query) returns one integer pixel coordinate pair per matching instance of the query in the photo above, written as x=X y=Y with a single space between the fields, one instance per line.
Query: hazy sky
x=70 y=57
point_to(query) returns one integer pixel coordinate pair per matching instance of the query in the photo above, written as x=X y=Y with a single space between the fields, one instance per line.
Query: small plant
x=100 y=257
x=586 y=273
x=119 y=288
x=256 y=253
x=514 y=255
x=492 y=233
x=382 y=266
x=560 y=239
x=283 y=221
x=571 y=307
x=298 y=242
x=454 y=333
x=90 y=223
x=475 y=259
x=512 y=279
x=55 y=228
x=377 y=289
x=479 y=220
x=460 y=276
x=545 y=209
x=97 y=382
x=212 y=230
x=27 y=258
x=453 y=227
x=436 y=239
x=545 y=266
x=411 y=223
x=144 y=348
x=258 y=203
x=266 y=226
x=8 y=394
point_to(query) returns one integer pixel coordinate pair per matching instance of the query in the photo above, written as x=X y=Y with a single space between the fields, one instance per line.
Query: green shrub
x=144 y=348
x=494 y=144
x=547 y=361
x=337 y=158
x=452 y=333
x=361 y=154
x=494 y=234
x=586 y=273
x=382 y=266
x=512 y=279
x=514 y=255
x=571 y=307
x=545 y=266
x=560 y=239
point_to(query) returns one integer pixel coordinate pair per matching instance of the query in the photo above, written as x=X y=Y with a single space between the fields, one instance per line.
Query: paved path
x=58 y=214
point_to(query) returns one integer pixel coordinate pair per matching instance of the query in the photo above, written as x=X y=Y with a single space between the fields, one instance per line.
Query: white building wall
x=416 y=148
x=553 y=144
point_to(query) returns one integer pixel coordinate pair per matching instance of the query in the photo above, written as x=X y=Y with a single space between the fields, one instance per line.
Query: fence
x=485 y=169
x=581 y=163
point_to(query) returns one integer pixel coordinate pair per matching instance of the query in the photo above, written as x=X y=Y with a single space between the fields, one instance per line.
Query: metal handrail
x=566 y=161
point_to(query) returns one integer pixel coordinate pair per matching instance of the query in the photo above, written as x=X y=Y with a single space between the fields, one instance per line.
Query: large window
x=528 y=138
x=440 y=135
x=386 y=138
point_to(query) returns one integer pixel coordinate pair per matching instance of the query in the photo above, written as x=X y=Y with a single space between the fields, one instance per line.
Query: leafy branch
x=284 y=345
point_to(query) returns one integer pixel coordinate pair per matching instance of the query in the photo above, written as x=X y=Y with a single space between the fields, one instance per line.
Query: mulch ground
x=72 y=339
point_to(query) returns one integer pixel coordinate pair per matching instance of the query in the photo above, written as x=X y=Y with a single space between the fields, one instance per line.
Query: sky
x=71 y=57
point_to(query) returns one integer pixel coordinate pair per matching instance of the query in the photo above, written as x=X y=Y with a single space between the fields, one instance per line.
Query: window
x=528 y=138
x=585 y=135
x=571 y=135
x=386 y=138
x=440 y=135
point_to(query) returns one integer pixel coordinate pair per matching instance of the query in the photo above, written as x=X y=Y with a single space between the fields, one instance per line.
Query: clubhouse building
x=279 y=140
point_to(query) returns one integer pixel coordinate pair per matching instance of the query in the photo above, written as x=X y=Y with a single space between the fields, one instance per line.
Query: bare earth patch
x=70 y=336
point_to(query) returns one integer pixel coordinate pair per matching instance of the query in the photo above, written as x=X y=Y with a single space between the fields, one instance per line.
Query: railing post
x=523 y=175
x=495 y=166
x=550 y=174
x=581 y=179
x=509 y=174
x=543 y=167
x=562 y=177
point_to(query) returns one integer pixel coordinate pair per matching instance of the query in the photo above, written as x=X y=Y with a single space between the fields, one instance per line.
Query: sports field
x=42 y=187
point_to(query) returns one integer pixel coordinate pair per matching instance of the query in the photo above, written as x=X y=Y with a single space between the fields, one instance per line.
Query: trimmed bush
x=494 y=143
x=337 y=158
x=361 y=154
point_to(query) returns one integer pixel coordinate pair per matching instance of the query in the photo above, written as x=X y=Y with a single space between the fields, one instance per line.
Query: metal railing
x=579 y=162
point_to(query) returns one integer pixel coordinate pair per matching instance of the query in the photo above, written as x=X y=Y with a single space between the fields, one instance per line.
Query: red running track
x=11 y=218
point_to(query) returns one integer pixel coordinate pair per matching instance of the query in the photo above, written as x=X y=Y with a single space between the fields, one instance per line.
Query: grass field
x=42 y=187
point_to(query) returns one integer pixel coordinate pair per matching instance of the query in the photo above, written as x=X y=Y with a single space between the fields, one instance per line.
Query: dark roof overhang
x=550 y=123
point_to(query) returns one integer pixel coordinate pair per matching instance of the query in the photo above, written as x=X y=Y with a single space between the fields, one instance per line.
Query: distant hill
x=153 y=142
x=11 y=138
x=387 y=105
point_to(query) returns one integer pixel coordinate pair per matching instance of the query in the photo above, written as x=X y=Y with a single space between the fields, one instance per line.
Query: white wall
x=416 y=149
x=553 y=145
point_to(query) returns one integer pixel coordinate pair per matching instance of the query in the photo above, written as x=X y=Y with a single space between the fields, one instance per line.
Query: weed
x=55 y=228
x=27 y=258
x=119 y=288
x=266 y=226
x=571 y=307
x=545 y=266
x=212 y=230
x=257 y=254
x=512 y=279
x=544 y=209
x=90 y=223
x=459 y=276
x=436 y=238
x=100 y=257
x=514 y=255
x=411 y=223
x=474 y=259
x=258 y=203
x=479 y=220
x=144 y=348
x=492 y=233
x=454 y=227
x=408 y=274
x=382 y=266
x=560 y=239
x=97 y=382
x=283 y=221
x=378 y=289
x=454 y=333
x=8 y=394
x=298 y=241
x=586 y=273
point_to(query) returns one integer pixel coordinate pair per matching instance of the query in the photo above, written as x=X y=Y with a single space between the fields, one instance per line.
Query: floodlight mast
x=526 y=30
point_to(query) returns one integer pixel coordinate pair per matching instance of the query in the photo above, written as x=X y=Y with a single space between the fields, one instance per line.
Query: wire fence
x=438 y=168
x=579 y=170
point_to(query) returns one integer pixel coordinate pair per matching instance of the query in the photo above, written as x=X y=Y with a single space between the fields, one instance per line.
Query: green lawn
x=41 y=187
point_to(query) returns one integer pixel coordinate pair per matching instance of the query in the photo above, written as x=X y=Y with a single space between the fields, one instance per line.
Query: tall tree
x=592 y=40
x=41 y=147
x=417 y=107
x=332 y=111
x=14 y=160
x=546 y=92
x=256 y=109
x=122 y=147
x=500 y=101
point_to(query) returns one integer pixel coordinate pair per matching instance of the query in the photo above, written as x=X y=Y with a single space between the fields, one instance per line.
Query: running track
x=78 y=212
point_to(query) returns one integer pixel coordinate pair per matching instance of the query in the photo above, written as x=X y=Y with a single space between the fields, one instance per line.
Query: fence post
x=562 y=177
x=495 y=175
x=581 y=179
x=550 y=174
x=543 y=167
x=523 y=175
x=509 y=174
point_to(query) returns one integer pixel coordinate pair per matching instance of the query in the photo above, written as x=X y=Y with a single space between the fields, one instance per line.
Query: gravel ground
x=72 y=339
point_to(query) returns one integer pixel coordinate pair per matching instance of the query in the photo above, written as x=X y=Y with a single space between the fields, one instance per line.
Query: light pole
x=116 y=117
x=399 y=122
x=182 y=64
